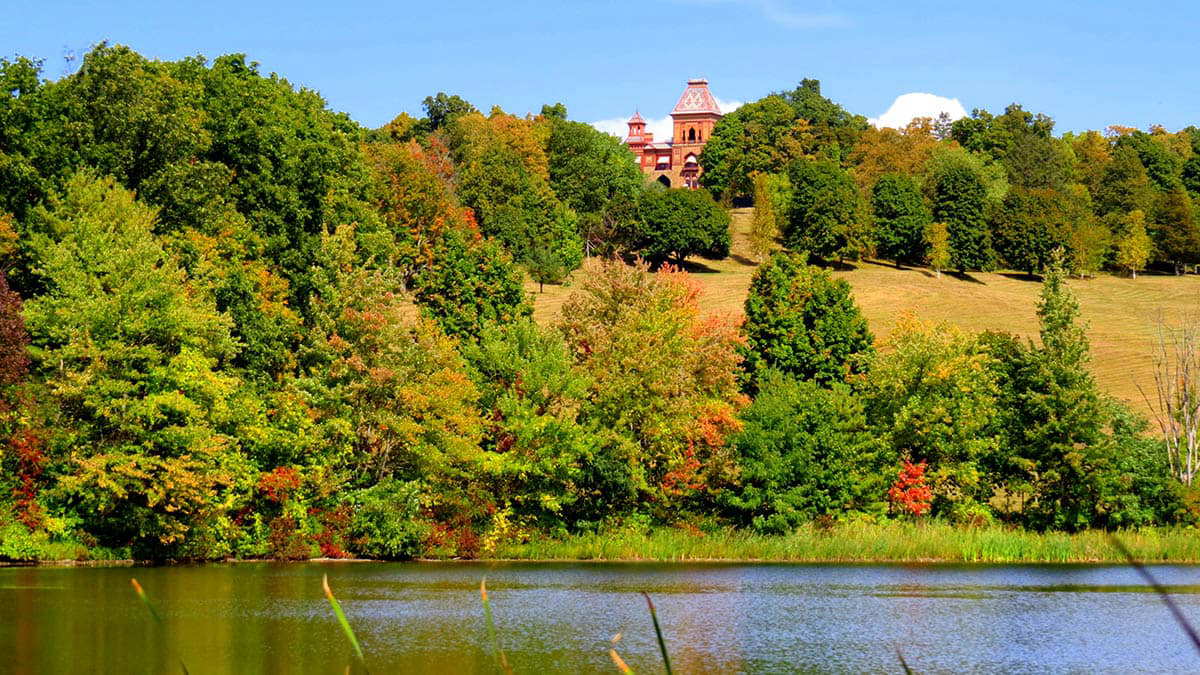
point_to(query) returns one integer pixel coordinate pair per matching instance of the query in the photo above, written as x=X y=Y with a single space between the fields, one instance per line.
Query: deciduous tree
x=824 y=215
x=900 y=219
x=804 y=323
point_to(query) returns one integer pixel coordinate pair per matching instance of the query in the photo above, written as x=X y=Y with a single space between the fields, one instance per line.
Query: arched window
x=666 y=182
x=691 y=134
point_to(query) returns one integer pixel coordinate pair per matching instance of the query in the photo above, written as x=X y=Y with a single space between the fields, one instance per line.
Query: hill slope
x=1122 y=314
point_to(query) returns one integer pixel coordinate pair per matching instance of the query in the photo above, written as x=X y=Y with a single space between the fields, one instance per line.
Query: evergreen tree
x=1058 y=441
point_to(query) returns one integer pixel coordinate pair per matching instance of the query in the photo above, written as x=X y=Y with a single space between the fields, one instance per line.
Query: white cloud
x=727 y=106
x=619 y=127
x=661 y=127
x=906 y=107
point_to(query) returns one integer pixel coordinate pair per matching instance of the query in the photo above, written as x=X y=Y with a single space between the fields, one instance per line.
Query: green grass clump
x=866 y=542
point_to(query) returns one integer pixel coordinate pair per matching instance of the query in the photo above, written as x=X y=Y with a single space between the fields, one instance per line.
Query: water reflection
x=425 y=617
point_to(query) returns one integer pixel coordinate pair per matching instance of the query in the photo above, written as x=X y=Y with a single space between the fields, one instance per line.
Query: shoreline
x=893 y=543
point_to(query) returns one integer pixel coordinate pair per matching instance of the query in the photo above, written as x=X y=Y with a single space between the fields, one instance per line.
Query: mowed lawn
x=1122 y=314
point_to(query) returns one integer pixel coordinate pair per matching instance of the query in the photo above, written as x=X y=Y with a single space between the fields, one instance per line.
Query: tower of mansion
x=675 y=161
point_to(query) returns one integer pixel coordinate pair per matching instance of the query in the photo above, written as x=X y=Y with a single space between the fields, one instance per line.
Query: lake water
x=426 y=617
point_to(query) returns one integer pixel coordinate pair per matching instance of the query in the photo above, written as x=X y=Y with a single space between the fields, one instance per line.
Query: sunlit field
x=1122 y=314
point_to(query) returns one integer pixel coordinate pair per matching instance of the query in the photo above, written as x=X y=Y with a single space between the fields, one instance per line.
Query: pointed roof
x=696 y=99
x=637 y=118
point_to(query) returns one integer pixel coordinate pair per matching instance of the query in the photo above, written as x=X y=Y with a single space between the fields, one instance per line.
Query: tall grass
x=343 y=622
x=497 y=652
x=891 y=542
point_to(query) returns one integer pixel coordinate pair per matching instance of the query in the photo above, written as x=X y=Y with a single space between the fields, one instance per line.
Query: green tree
x=804 y=451
x=1162 y=166
x=764 y=136
x=1028 y=226
x=677 y=223
x=1057 y=443
x=1124 y=185
x=900 y=219
x=590 y=169
x=959 y=201
x=545 y=265
x=502 y=173
x=1039 y=162
x=823 y=218
x=803 y=322
x=834 y=129
x=469 y=284
x=1176 y=233
x=1190 y=175
x=441 y=108
x=542 y=460
x=130 y=356
x=999 y=136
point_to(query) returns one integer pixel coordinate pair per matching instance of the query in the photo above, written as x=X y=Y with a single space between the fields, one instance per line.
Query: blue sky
x=1087 y=64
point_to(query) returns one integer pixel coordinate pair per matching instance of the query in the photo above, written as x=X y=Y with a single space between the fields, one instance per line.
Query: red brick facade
x=675 y=162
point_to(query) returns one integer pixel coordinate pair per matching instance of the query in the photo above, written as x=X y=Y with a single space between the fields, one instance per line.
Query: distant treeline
x=983 y=192
x=236 y=323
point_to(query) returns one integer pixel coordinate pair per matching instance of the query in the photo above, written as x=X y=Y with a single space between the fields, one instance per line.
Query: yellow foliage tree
x=1134 y=246
x=765 y=225
x=938 y=238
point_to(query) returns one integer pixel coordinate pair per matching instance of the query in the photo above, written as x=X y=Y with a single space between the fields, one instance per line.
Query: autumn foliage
x=909 y=494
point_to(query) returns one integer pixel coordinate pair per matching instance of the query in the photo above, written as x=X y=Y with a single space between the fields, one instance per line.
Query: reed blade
x=903 y=662
x=497 y=652
x=343 y=621
x=662 y=644
x=141 y=593
x=1163 y=594
x=616 y=658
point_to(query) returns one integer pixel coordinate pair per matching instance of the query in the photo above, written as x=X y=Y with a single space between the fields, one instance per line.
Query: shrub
x=385 y=521
x=805 y=452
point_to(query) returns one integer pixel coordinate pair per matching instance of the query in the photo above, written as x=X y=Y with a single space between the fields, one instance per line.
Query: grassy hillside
x=1122 y=313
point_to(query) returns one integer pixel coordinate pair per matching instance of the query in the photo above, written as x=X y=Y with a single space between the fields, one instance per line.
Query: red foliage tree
x=14 y=339
x=280 y=483
x=26 y=446
x=909 y=493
